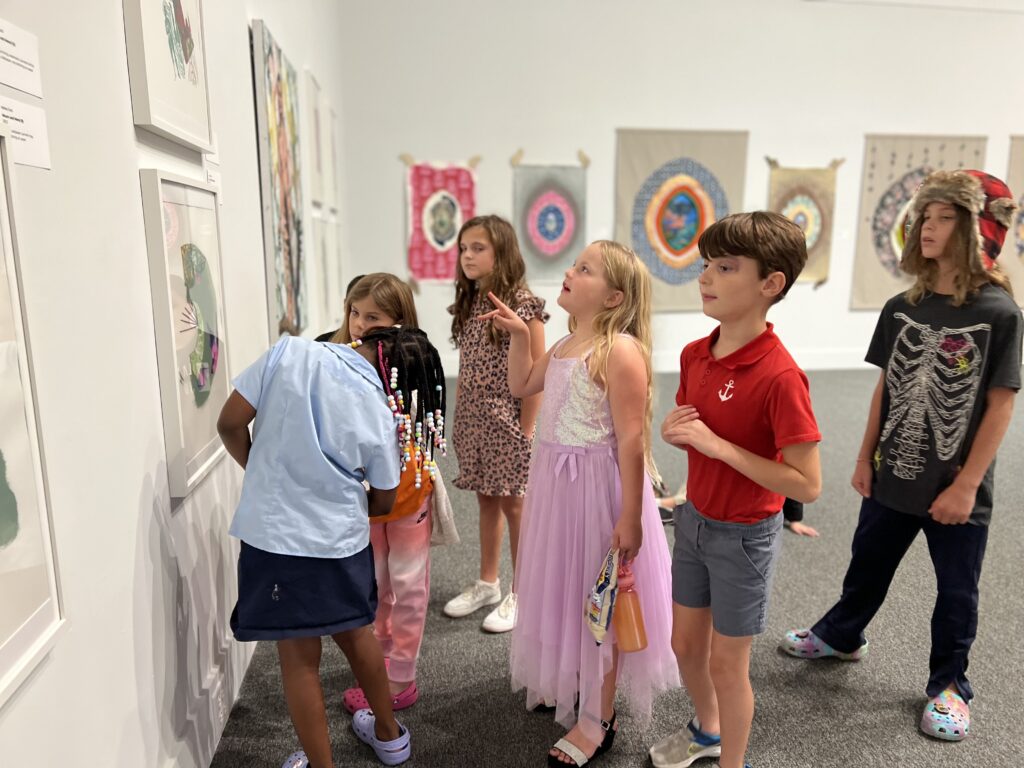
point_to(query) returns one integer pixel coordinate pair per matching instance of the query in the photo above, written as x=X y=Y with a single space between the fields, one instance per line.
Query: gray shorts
x=727 y=566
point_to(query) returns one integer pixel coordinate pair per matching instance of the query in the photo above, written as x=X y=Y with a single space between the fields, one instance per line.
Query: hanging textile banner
x=440 y=199
x=806 y=196
x=669 y=187
x=549 y=209
x=894 y=167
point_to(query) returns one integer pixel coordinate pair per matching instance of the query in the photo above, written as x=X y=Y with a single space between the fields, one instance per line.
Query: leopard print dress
x=492 y=450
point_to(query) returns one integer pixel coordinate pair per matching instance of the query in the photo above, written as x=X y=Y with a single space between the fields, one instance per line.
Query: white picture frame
x=315 y=139
x=328 y=128
x=166 y=44
x=32 y=616
x=182 y=222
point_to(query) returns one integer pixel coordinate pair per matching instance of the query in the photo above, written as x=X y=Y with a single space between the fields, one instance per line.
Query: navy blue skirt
x=285 y=596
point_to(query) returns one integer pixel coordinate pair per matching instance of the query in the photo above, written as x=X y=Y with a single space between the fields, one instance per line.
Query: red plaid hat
x=988 y=200
x=996 y=217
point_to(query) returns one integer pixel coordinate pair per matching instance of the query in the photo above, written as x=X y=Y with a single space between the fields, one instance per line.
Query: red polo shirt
x=756 y=398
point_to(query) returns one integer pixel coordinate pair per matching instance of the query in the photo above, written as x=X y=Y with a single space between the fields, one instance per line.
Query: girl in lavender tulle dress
x=589 y=490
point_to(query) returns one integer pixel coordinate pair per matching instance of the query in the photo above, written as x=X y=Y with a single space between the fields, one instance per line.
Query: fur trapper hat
x=986 y=198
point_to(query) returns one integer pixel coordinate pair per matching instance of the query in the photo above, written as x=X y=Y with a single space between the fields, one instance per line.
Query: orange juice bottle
x=627 y=618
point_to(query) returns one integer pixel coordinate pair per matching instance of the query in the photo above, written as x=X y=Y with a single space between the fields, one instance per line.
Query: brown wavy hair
x=970 y=272
x=508 y=277
x=390 y=294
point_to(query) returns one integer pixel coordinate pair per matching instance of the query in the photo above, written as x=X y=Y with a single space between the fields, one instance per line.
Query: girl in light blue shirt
x=323 y=434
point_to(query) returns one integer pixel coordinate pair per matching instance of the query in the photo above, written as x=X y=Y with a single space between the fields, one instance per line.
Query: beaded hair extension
x=407 y=363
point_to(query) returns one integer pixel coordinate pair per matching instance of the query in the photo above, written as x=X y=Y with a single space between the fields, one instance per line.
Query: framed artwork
x=441 y=197
x=167 y=70
x=30 y=620
x=277 y=129
x=328 y=131
x=549 y=204
x=669 y=187
x=894 y=167
x=314 y=135
x=183 y=241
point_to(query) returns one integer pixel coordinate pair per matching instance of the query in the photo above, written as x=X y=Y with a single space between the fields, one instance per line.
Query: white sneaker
x=502 y=618
x=473 y=599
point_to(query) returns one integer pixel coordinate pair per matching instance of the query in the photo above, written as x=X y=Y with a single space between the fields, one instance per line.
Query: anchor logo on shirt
x=725 y=394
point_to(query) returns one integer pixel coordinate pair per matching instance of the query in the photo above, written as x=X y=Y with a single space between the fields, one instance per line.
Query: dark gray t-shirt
x=939 y=362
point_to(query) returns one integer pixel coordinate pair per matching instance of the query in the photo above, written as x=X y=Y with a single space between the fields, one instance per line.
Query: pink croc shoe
x=354 y=699
x=947 y=716
x=804 y=644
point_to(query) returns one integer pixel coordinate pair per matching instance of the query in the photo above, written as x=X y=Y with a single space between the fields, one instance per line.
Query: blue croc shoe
x=392 y=752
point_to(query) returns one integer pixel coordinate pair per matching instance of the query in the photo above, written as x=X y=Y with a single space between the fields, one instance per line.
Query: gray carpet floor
x=821 y=713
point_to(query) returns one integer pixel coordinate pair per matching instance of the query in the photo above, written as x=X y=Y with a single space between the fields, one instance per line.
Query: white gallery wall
x=447 y=81
x=145 y=673
x=146 y=670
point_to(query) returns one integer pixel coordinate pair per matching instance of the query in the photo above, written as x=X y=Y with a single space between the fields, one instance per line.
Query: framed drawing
x=167 y=70
x=327 y=133
x=277 y=140
x=31 y=616
x=314 y=136
x=183 y=241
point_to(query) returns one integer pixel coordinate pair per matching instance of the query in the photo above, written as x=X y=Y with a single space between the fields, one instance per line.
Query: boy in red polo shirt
x=744 y=419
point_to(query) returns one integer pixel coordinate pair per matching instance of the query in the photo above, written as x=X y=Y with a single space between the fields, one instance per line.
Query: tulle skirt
x=573 y=501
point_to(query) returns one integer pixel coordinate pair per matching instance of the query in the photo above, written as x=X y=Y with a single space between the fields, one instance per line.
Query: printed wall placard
x=30 y=617
x=167 y=70
x=549 y=209
x=441 y=198
x=277 y=128
x=894 y=167
x=183 y=240
x=669 y=187
x=806 y=196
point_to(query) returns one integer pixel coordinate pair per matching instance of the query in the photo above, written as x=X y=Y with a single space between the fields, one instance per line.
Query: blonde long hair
x=389 y=293
x=623 y=271
x=970 y=272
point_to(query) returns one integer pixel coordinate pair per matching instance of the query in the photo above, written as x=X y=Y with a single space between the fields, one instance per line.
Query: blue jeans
x=882 y=538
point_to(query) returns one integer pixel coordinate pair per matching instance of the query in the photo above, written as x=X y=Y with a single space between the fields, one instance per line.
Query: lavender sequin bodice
x=575 y=410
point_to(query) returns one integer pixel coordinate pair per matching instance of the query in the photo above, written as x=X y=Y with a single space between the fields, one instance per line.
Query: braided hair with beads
x=410 y=369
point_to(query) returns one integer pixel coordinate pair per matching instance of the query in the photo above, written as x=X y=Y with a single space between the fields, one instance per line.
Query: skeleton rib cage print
x=933 y=378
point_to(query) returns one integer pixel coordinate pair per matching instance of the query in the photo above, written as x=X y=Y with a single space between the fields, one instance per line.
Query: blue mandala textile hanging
x=673 y=207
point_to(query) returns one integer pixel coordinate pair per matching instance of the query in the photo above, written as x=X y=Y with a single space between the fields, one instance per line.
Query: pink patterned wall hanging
x=441 y=198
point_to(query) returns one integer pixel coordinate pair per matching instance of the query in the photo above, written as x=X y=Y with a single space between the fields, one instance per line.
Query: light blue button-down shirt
x=322 y=426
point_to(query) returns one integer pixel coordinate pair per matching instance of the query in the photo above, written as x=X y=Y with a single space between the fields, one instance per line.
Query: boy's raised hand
x=504 y=317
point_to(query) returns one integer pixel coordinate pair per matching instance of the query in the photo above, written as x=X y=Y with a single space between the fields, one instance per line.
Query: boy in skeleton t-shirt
x=950 y=353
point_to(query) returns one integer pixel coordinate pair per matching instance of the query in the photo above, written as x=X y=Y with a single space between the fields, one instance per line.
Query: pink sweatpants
x=401 y=558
